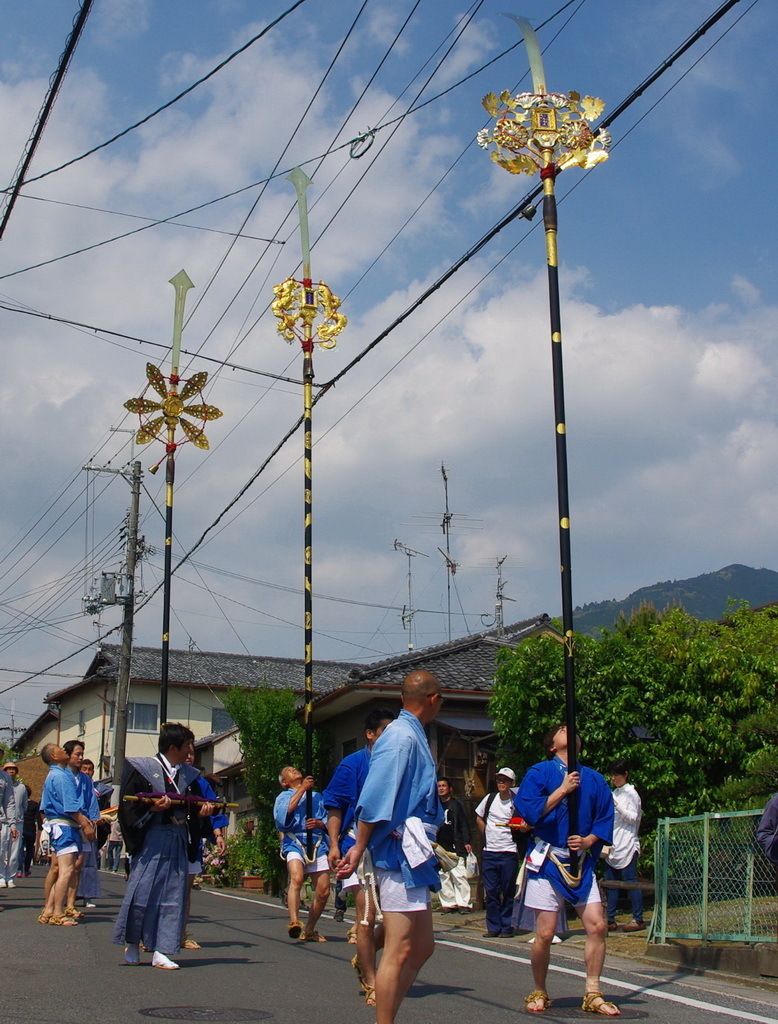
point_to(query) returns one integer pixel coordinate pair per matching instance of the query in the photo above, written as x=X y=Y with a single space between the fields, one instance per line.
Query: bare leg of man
x=66 y=863
x=320 y=882
x=545 y=927
x=596 y=927
x=366 y=945
x=74 y=879
x=408 y=944
x=296 y=879
x=48 y=885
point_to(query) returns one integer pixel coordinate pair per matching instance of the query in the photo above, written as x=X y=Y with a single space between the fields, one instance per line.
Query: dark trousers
x=625 y=874
x=340 y=899
x=498 y=873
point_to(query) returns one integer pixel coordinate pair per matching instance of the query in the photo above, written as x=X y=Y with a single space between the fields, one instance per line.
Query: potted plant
x=243 y=861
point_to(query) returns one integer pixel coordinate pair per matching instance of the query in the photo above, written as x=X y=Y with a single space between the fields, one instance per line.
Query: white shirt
x=498 y=838
x=628 y=812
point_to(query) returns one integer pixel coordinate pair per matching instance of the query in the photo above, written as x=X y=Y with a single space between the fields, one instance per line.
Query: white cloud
x=671 y=429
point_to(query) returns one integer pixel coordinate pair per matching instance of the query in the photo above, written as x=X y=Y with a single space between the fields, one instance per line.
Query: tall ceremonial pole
x=549 y=132
x=296 y=306
x=163 y=428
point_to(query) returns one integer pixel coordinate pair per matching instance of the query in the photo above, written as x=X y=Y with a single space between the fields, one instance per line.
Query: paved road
x=248 y=970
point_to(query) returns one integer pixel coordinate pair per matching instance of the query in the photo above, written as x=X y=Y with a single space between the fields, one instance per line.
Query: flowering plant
x=215 y=866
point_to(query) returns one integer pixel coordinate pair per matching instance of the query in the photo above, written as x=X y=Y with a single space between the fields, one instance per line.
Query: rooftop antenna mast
x=500 y=597
x=451 y=565
x=448 y=519
x=409 y=611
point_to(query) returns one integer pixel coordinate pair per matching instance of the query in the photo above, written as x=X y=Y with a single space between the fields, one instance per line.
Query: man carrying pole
x=551 y=880
x=304 y=846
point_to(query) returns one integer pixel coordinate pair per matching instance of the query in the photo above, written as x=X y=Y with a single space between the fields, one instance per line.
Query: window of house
x=349 y=747
x=220 y=720
x=141 y=717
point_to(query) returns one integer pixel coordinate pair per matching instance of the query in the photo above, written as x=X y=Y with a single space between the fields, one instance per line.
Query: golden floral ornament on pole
x=172 y=407
x=541 y=130
x=529 y=124
x=299 y=302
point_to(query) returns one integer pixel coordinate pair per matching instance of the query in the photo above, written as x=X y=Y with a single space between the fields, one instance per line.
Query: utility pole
x=128 y=622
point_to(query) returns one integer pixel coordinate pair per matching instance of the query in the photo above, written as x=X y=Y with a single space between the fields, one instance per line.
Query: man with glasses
x=398 y=814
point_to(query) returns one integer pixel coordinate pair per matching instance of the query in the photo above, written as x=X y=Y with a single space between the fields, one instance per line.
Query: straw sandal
x=43 y=918
x=295 y=929
x=595 y=1002
x=73 y=912
x=538 y=996
x=60 y=919
x=369 y=995
x=360 y=973
x=190 y=943
x=313 y=937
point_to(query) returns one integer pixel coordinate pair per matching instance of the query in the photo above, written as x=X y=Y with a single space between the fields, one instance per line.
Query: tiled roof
x=464 y=664
x=206 y=668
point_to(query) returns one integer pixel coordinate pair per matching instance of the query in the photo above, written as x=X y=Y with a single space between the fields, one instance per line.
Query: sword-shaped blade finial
x=533 y=53
x=301 y=181
x=182 y=284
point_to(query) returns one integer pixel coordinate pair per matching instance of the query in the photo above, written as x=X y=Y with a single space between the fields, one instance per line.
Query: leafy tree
x=270 y=738
x=683 y=684
x=761 y=768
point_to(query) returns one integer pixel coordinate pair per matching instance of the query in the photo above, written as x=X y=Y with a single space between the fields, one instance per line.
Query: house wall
x=85 y=715
x=47 y=733
x=347 y=730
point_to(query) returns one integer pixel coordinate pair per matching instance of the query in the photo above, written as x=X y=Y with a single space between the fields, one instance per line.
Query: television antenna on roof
x=447 y=520
x=408 y=610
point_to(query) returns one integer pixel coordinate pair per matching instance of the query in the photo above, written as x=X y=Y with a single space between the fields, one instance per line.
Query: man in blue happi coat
x=162 y=835
x=90 y=810
x=65 y=823
x=340 y=799
x=399 y=814
x=289 y=812
x=550 y=881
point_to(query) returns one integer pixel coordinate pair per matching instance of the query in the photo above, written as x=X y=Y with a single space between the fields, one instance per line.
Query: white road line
x=671 y=997
x=634 y=989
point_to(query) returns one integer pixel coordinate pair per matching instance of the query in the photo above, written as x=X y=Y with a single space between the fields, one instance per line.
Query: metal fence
x=713 y=882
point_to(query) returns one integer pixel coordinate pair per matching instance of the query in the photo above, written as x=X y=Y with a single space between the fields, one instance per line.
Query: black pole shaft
x=550 y=224
x=170 y=475
x=308 y=544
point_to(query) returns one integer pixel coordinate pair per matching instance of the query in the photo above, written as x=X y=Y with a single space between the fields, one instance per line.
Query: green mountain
x=704 y=597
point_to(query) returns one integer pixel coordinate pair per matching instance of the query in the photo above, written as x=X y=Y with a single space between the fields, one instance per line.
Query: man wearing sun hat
x=500 y=862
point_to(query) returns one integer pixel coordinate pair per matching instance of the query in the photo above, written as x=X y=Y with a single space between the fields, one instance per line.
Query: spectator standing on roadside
x=454 y=836
x=500 y=860
x=30 y=830
x=10 y=851
x=622 y=859
x=8 y=830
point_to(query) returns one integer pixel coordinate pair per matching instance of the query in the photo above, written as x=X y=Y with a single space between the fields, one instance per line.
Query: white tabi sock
x=160 y=960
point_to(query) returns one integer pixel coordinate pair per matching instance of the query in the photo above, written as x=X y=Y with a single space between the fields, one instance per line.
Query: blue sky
x=669 y=319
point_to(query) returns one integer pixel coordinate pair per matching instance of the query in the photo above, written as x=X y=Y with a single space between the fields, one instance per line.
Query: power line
x=175 y=99
x=43 y=116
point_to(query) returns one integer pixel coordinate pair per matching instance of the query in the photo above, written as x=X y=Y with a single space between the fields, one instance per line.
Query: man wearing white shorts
x=289 y=813
x=397 y=812
x=551 y=880
x=65 y=822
